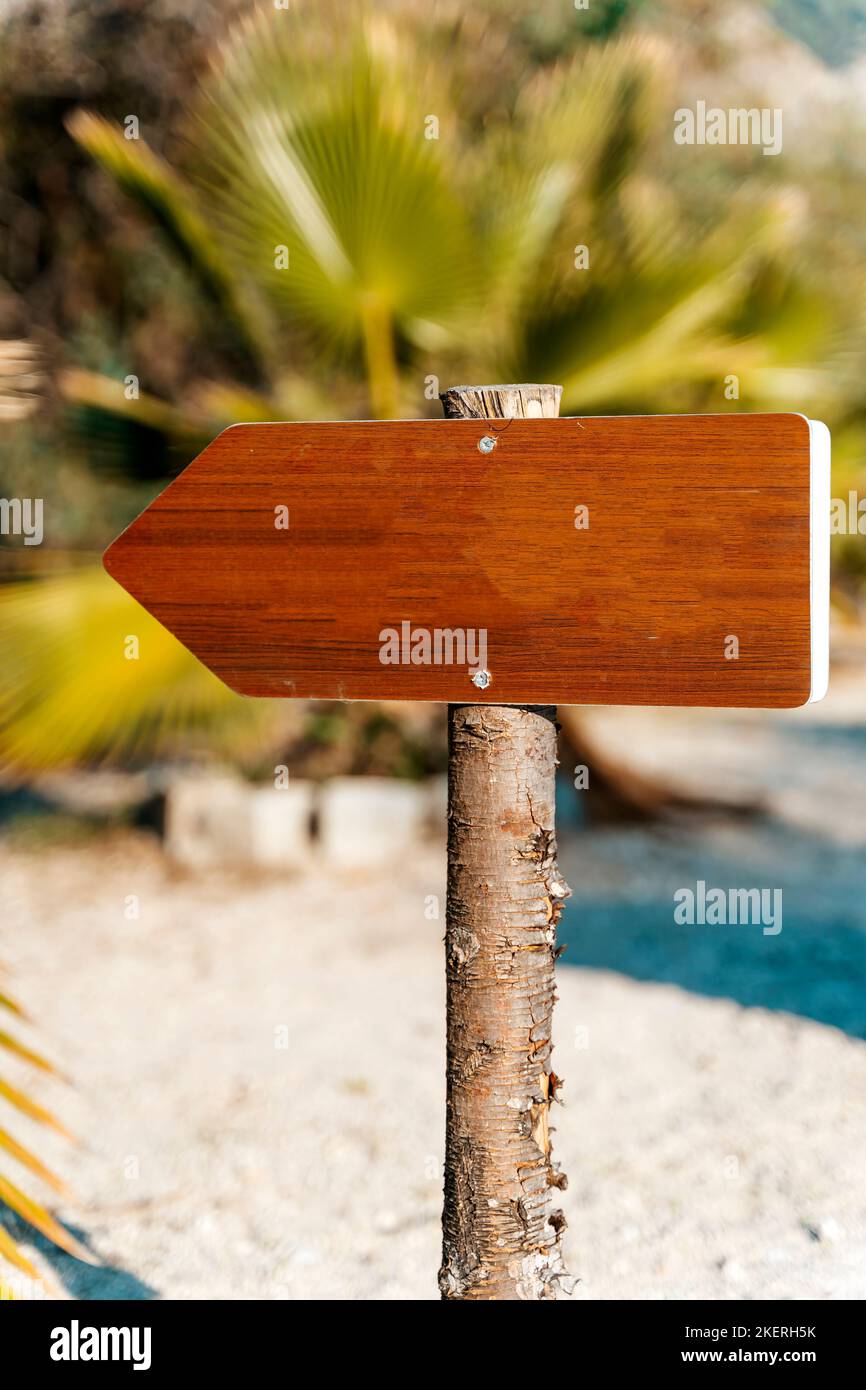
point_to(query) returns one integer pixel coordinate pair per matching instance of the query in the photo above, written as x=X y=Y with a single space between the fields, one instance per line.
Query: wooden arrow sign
x=664 y=560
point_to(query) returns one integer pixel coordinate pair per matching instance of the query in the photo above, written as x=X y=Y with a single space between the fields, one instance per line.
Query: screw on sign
x=501 y=560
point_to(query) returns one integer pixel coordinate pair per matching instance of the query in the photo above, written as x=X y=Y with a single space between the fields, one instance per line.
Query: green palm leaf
x=145 y=178
x=68 y=693
x=317 y=151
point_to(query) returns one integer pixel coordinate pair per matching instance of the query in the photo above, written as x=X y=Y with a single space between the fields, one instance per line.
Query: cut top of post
x=525 y=401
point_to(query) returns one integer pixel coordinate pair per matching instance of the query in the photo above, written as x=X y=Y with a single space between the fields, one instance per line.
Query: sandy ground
x=258 y=1083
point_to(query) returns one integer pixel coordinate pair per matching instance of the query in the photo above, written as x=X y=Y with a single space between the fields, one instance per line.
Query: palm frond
x=29 y=1107
x=318 y=150
x=27 y=1159
x=37 y=1216
x=69 y=694
x=146 y=179
x=9 y=1251
x=7 y=1002
x=11 y=1196
x=13 y=1045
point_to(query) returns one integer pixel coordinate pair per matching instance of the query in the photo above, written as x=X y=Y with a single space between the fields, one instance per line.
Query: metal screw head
x=482 y=679
x=487 y=444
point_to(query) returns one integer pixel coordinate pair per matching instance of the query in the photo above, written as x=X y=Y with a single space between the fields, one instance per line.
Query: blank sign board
x=660 y=560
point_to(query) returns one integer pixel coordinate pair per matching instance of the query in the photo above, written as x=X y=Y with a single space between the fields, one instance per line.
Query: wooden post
x=501 y=1235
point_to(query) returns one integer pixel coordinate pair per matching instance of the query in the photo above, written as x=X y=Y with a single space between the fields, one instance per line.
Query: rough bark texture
x=501 y=1233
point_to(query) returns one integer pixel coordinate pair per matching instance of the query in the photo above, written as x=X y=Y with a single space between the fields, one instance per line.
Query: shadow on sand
x=79 y=1280
x=621 y=916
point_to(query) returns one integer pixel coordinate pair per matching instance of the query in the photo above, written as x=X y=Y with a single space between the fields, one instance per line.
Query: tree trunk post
x=501 y=1235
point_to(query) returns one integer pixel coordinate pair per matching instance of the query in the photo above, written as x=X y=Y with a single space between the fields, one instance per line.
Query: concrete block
x=206 y=820
x=280 y=821
x=367 y=822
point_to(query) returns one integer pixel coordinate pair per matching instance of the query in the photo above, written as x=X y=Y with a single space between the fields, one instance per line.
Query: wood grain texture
x=699 y=530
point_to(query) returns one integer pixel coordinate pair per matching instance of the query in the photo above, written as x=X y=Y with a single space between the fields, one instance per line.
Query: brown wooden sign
x=664 y=560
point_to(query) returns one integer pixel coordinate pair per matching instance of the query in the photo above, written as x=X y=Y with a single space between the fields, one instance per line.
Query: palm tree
x=359 y=230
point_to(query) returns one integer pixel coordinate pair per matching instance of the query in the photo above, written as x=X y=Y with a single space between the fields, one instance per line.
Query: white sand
x=713 y=1151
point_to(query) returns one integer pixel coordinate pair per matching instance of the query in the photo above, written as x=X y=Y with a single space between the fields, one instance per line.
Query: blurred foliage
x=69 y=693
x=361 y=739
x=411 y=260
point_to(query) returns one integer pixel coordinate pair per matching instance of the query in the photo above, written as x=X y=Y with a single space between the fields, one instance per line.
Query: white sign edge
x=819 y=559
